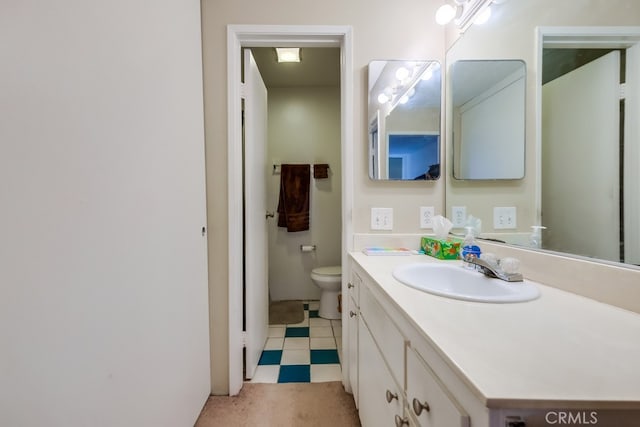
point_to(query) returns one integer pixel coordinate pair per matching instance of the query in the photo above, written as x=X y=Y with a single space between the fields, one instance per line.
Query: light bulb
x=483 y=17
x=427 y=74
x=404 y=99
x=445 y=14
x=402 y=73
x=383 y=98
x=411 y=92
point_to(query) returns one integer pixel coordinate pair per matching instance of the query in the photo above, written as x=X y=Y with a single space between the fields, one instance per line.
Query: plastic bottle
x=469 y=246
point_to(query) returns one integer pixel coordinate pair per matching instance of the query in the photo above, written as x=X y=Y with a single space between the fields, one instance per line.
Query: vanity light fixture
x=465 y=12
x=288 y=54
x=446 y=13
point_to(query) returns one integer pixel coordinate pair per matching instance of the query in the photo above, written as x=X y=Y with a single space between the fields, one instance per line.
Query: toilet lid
x=328 y=271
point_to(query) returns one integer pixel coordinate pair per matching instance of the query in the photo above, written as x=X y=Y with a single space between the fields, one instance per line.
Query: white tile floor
x=312 y=358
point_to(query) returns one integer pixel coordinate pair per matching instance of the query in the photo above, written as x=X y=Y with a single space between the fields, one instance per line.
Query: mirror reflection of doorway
x=414 y=156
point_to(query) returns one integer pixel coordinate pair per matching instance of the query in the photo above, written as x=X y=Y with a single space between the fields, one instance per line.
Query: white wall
x=304 y=127
x=103 y=292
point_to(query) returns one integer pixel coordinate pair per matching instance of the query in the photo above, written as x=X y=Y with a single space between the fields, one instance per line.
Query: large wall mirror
x=404 y=120
x=582 y=137
x=488 y=108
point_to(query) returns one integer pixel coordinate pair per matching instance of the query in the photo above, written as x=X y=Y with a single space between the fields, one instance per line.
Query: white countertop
x=560 y=348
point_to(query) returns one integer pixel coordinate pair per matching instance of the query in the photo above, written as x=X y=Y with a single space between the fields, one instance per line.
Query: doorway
x=240 y=36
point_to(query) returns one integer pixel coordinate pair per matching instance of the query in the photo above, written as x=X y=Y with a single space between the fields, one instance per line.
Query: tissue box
x=441 y=248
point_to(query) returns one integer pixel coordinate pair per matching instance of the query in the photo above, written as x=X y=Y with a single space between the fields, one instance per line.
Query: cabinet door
x=428 y=399
x=376 y=385
x=352 y=349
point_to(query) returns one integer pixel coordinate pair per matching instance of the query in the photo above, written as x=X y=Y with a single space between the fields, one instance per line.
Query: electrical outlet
x=458 y=216
x=382 y=218
x=504 y=218
x=426 y=216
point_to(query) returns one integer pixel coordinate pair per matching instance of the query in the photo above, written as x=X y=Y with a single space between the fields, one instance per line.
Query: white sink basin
x=458 y=282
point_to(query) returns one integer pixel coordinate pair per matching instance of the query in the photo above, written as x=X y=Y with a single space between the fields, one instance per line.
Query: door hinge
x=243 y=337
x=623 y=91
x=243 y=90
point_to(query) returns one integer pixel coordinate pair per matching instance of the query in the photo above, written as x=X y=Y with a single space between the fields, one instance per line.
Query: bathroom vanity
x=419 y=359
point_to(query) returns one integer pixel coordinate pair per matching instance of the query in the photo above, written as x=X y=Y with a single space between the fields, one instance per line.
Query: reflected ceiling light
x=483 y=16
x=428 y=73
x=288 y=54
x=404 y=99
x=383 y=98
x=402 y=73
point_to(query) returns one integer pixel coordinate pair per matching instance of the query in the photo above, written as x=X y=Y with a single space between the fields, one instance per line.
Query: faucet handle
x=510 y=265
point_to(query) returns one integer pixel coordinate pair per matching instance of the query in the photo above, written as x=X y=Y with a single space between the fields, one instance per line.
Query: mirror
x=404 y=120
x=517 y=30
x=488 y=108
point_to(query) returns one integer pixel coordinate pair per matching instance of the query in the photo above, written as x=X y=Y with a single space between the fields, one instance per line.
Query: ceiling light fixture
x=288 y=54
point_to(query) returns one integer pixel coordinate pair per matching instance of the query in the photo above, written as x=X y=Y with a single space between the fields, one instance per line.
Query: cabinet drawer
x=385 y=333
x=434 y=405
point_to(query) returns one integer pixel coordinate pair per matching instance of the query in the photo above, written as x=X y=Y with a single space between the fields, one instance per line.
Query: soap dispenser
x=469 y=246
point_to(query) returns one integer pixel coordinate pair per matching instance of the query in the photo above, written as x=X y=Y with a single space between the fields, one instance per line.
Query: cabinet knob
x=401 y=421
x=350 y=285
x=391 y=396
x=418 y=407
x=352 y=313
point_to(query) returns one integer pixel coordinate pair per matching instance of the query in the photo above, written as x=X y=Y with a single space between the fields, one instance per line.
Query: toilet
x=329 y=280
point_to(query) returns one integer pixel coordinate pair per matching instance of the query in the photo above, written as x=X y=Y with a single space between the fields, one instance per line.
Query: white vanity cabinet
x=380 y=364
x=381 y=398
x=353 y=310
x=393 y=369
x=430 y=401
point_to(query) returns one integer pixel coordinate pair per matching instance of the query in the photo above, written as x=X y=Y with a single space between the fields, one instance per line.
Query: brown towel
x=320 y=170
x=293 y=205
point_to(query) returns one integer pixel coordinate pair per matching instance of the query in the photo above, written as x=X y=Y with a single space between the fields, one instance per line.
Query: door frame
x=239 y=36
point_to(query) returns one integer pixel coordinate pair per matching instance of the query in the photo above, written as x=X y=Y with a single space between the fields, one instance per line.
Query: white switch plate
x=382 y=218
x=504 y=218
x=458 y=216
x=426 y=216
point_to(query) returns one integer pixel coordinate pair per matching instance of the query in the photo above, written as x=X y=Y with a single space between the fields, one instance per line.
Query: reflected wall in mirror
x=603 y=221
x=404 y=120
x=587 y=124
x=488 y=107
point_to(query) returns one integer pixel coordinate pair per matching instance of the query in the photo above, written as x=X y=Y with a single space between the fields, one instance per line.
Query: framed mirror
x=404 y=120
x=588 y=203
x=488 y=108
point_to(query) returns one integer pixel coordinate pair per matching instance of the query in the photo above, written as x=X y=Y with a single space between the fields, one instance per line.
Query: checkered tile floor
x=304 y=352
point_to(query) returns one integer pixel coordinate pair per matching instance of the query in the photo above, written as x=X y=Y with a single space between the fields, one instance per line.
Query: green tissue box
x=441 y=248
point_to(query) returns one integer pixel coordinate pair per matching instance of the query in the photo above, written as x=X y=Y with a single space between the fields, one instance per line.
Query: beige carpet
x=282 y=405
x=282 y=312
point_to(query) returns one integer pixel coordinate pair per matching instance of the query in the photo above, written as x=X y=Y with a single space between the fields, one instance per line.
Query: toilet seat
x=335 y=270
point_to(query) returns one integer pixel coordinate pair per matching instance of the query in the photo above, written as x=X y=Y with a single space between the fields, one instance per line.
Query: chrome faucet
x=493 y=270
